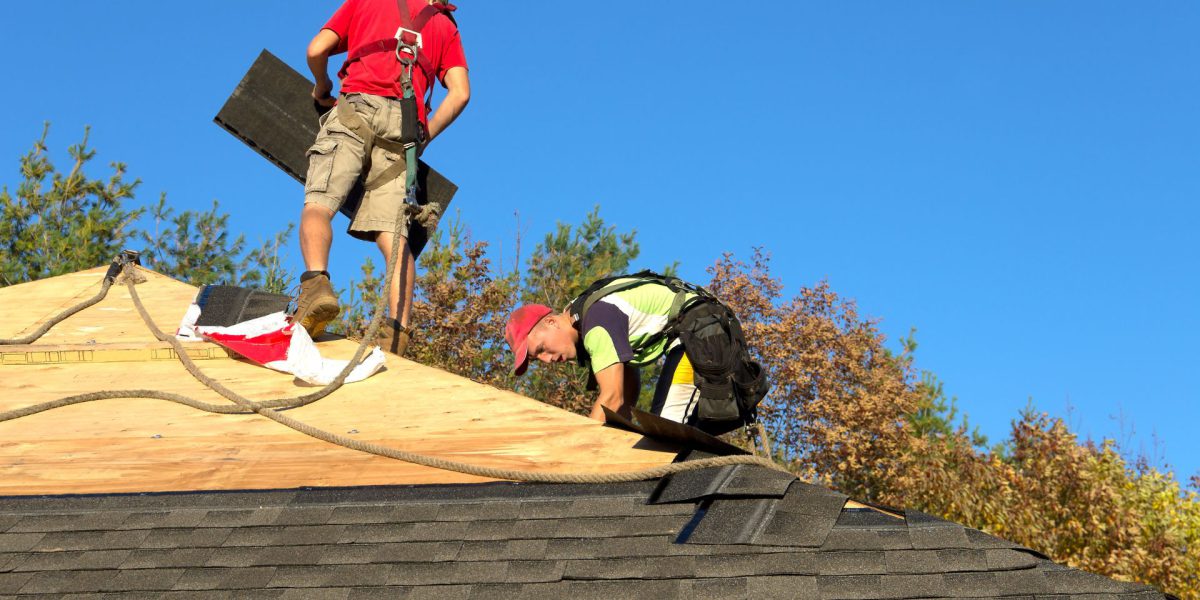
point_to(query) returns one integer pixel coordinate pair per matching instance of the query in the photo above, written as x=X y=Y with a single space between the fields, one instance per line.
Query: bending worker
x=396 y=50
x=622 y=323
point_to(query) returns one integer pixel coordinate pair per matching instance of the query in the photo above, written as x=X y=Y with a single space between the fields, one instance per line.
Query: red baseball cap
x=520 y=323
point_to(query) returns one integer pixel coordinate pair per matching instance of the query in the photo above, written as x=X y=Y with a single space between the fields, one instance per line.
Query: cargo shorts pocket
x=320 y=165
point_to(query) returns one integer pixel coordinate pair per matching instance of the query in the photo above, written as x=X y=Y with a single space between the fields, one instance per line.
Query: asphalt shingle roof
x=717 y=533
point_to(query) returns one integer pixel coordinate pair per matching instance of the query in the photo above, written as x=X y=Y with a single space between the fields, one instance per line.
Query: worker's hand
x=321 y=93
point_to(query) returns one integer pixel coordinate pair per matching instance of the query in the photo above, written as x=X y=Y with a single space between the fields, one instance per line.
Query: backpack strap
x=686 y=296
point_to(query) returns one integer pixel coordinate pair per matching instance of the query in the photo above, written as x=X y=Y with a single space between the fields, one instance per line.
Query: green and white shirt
x=616 y=327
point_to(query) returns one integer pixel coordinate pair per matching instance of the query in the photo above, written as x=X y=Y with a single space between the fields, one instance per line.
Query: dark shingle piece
x=142 y=579
x=162 y=559
x=783 y=587
x=852 y=586
x=19 y=542
x=10 y=561
x=240 y=518
x=731 y=521
x=803 y=517
x=1006 y=560
x=301 y=515
x=502 y=550
x=332 y=575
x=673 y=567
x=186 y=538
x=74 y=561
x=534 y=571
x=496 y=591
x=60 y=582
x=535 y=529
x=691 y=486
x=868 y=517
x=730 y=481
x=744 y=565
x=717 y=589
x=867 y=539
x=618 y=527
x=905 y=562
x=1064 y=581
x=479 y=511
x=980 y=539
x=544 y=509
x=353 y=515
x=314 y=594
x=243 y=578
x=8 y=520
x=416 y=574
x=618 y=507
x=387 y=553
x=914 y=586
x=11 y=583
x=300 y=535
x=377 y=533
x=91 y=540
x=162 y=519
x=46 y=523
x=630 y=589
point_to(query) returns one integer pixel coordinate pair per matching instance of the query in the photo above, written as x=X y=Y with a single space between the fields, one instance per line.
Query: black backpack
x=731 y=385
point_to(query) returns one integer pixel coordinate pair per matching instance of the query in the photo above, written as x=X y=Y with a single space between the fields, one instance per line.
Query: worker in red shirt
x=362 y=142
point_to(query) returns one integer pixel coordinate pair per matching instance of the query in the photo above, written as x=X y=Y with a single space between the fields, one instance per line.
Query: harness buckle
x=408 y=45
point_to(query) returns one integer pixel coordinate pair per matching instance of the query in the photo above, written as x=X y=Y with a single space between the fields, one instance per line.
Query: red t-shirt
x=361 y=22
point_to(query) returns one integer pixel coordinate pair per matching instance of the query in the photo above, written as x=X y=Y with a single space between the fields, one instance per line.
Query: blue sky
x=1016 y=180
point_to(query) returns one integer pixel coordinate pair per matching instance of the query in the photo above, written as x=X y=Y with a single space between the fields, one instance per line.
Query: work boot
x=317 y=305
x=393 y=337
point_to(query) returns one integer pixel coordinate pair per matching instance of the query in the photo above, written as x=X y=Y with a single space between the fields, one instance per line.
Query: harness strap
x=349 y=117
x=407 y=21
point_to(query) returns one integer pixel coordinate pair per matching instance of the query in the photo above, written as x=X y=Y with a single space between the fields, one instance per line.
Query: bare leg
x=404 y=279
x=316 y=236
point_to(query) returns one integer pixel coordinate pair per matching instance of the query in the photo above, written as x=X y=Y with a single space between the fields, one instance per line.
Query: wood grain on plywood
x=141 y=445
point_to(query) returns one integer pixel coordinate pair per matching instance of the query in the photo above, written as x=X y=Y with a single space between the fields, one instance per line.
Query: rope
x=468 y=468
x=59 y=318
x=243 y=405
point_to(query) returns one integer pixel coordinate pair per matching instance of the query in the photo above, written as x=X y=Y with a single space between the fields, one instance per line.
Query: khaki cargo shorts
x=335 y=168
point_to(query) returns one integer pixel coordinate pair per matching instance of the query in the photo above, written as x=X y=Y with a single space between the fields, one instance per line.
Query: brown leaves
x=842 y=411
x=836 y=411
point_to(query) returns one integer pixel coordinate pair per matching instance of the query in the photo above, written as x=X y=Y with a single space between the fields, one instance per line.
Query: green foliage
x=461 y=307
x=359 y=303
x=60 y=223
x=571 y=258
x=195 y=247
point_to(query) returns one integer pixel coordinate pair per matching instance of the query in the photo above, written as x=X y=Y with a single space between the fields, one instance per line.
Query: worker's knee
x=313 y=210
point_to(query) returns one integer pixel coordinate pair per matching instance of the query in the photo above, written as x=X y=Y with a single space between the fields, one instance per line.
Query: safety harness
x=731 y=384
x=406 y=45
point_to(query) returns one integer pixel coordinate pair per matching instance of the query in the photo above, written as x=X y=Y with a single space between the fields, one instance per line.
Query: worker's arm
x=619 y=387
x=319 y=50
x=458 y=94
